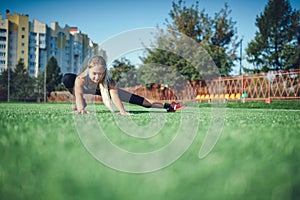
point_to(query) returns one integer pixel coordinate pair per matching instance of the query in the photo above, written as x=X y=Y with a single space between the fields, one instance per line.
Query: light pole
x=8 y=83
x=45 y=88
x=61 y=49
x=241 y=54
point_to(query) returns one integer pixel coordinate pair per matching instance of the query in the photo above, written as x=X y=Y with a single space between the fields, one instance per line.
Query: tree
x=150 y=74
x=4 y=84
x=53 y=76
x=186 y=20
x=216 y=35
x=40 y=86
x=276 y=45
x=21 y=84
x=124 y=73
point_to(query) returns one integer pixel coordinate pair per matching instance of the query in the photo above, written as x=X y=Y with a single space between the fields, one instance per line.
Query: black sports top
x=87 y=90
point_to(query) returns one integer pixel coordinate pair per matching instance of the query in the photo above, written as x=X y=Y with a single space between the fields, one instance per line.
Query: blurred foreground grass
x=42 y=157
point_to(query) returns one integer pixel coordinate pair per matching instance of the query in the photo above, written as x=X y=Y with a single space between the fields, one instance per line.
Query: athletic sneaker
x=175 y=107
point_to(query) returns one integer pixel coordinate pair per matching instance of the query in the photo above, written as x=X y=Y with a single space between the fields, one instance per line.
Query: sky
x=104 y=19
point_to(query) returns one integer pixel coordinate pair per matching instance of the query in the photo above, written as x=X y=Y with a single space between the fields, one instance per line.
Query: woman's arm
x=116 y=99
x=79 y=101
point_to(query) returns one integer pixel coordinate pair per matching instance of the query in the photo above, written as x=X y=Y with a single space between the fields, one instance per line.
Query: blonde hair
x=104 y=84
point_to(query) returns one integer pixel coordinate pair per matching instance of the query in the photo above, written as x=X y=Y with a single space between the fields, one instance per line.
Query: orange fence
x=274 y=85
x=268 y=86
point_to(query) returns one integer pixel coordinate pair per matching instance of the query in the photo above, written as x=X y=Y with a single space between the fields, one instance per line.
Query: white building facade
x=34 y=43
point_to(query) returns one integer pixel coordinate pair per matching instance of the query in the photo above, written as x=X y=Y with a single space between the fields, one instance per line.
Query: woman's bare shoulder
x=112 y=84
x=80 y=80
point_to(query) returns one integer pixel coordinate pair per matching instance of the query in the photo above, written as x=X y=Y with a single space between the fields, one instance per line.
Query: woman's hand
x=124 y=113
x=82 y=112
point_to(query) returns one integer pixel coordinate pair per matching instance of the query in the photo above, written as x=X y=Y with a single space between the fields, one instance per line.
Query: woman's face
x=97 y=74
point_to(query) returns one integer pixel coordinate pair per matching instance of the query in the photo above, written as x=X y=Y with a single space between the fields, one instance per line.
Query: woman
x=95 y=79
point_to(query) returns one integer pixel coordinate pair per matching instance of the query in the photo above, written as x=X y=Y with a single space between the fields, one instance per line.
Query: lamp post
x=241 y=55
x=45 y=88
x=37 y=47
x=8 y=84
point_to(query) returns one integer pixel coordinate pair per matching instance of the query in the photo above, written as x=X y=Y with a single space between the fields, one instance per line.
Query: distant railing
x=274 y=85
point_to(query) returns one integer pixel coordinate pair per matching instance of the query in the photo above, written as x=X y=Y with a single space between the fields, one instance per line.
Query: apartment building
x=3 y=43
x=34 y=43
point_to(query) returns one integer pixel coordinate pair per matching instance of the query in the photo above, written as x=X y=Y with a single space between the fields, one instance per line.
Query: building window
x=33 y=42
x=23 y=29
x=22 y=52
x=22 y=36
x=23 y=44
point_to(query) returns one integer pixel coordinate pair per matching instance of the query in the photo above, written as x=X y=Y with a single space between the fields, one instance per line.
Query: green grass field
x=42 y=157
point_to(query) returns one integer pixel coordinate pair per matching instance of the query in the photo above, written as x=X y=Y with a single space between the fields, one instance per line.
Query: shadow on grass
x=144 y=111
x=132 y=111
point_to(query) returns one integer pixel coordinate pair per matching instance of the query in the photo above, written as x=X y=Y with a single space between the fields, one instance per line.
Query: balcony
x=43 y=46
x=2 y=34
